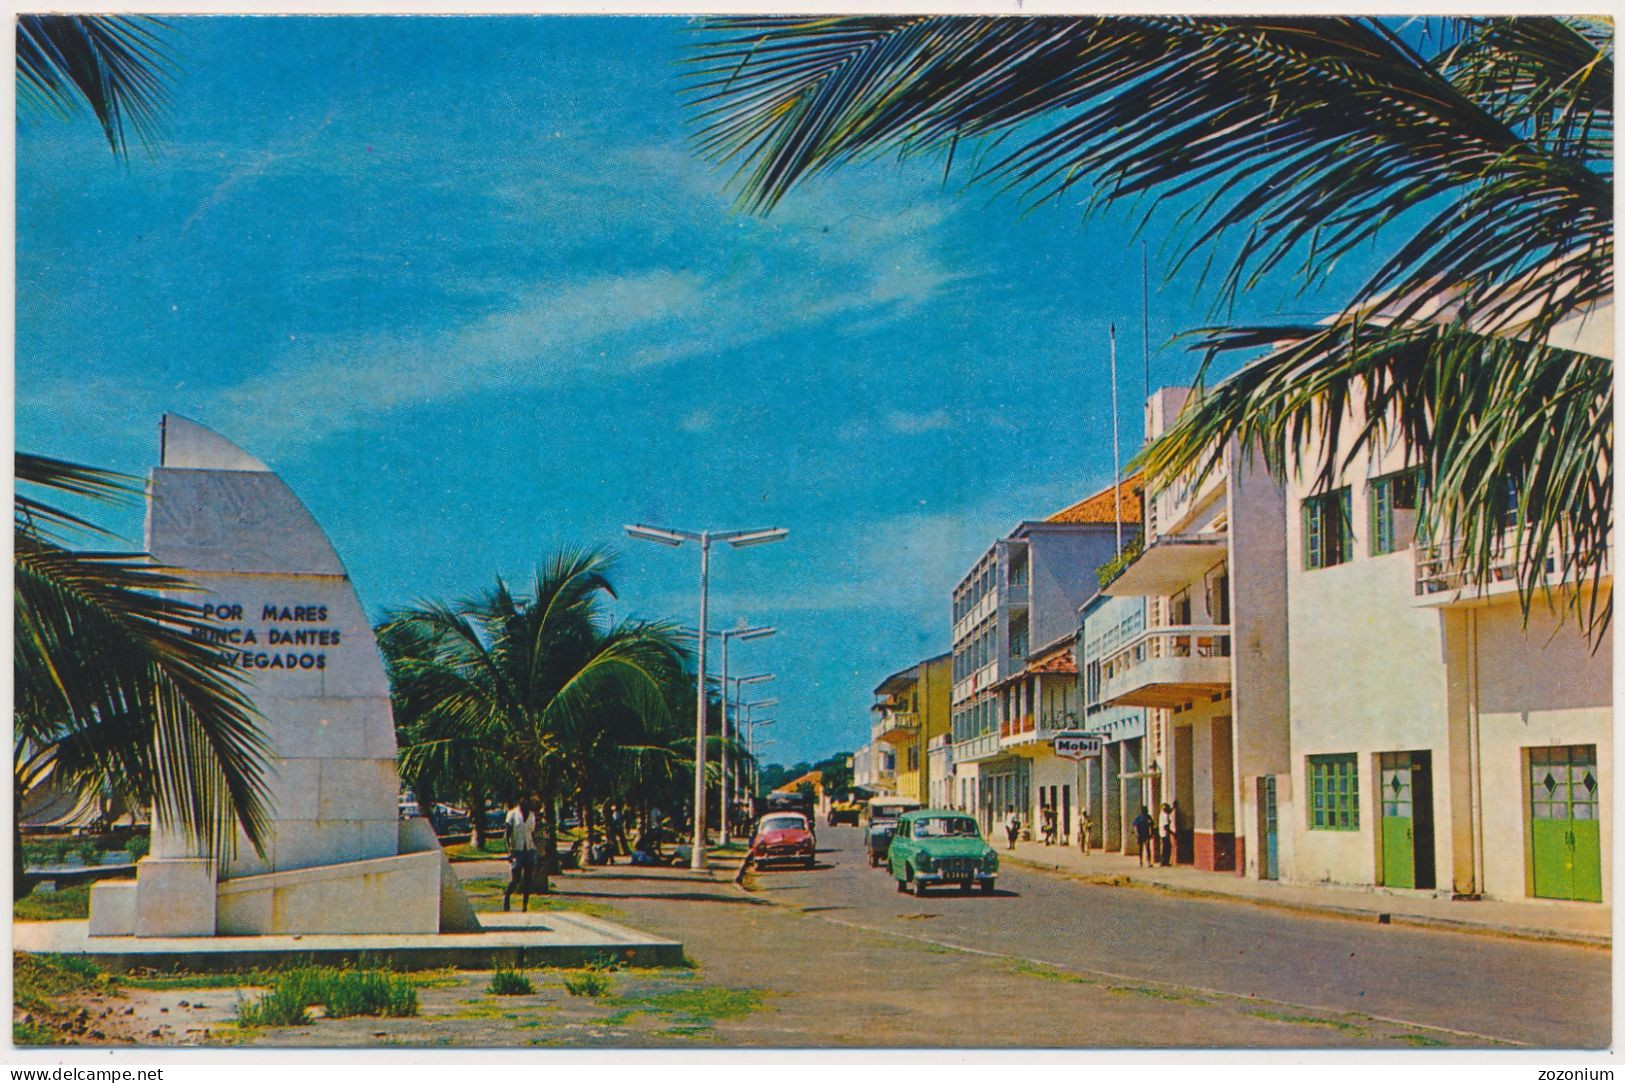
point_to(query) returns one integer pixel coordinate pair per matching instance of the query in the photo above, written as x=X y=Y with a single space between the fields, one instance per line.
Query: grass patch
x=39 y=980
x=1050 y=973
x=1421 y=1041
x=1305 y=1020
x=466 y=851
x=589 y=983
x=341 y=992
x=69 y=904
x=1156 y=994
x=39 y=984
x=485 y=894
x=508 y=983
x=690 y=1011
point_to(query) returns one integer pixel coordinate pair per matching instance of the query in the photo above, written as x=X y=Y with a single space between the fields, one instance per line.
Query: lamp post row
x=739 y=539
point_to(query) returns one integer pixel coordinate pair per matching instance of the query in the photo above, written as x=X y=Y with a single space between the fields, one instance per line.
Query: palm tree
x=1478 y=151
x=114 y=64
x=536 y=688
x=115 y=686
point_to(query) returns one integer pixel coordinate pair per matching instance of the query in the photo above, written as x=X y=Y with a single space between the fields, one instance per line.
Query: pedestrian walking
x=1012 y=826
x=1085 y=823
x=1143 y=830
x=520 y=827
x=1165 y=834
x=1048 y=821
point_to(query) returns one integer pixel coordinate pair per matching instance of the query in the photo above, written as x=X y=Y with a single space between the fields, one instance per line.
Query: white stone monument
x=338 y=858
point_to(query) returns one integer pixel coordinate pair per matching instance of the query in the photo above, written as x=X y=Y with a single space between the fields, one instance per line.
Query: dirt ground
x=763 y=975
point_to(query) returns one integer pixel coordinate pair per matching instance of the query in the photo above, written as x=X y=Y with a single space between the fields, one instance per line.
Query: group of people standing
x=1164 y=830
x=1157 y=839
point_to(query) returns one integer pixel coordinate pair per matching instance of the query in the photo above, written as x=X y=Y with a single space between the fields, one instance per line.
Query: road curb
x=1350 y=913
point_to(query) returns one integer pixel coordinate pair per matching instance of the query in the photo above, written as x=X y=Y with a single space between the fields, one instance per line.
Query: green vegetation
x=1306 y=1020
x=1110 y=570
x=589 y=983
x=68 y=904
x=506 y=983
x=341 y=992
x=39 y=982
x=542 y=694
x=468 y=851
x=690 y=1011
x=108 y=669
x=138 y=847
x=1050 y=973
x=485 y=893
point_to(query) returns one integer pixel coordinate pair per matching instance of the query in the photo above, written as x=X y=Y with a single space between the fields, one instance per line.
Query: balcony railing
x=1444 y=573
x=895 y=726
x=1167 y=666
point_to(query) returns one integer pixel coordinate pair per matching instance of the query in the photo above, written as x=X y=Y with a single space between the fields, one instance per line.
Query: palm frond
x=120 y=678
x=116 y=65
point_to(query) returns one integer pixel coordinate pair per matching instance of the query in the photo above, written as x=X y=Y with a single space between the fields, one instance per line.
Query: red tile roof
x=1101 y=507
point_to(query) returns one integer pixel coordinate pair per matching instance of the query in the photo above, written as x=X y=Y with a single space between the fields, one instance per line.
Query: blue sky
x=464 y=285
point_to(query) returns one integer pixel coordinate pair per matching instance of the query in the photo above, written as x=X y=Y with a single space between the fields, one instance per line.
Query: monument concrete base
x=413 y=891
x=552 y=938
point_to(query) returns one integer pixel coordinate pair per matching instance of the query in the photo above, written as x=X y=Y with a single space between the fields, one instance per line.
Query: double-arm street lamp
x=739 y=539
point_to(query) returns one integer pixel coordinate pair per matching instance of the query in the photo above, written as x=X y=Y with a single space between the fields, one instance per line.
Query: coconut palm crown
x=1476 y=151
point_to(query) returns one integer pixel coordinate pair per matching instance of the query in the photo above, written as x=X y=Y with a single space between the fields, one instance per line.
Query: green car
x=936 y=846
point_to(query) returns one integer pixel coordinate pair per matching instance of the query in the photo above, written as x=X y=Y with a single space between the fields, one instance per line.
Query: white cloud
x=814 y=263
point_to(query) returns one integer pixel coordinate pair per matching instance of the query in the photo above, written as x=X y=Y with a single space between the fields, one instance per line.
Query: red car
x=783 y=838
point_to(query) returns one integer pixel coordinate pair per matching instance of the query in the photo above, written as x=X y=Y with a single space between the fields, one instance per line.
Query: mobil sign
x=1078 y=745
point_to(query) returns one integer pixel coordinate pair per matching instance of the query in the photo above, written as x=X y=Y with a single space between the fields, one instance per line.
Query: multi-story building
x=1439 y=741
x=874 y=768
x=1011 y=614
x=1335 y=700
x=911 y=710
x=1214 y=673
x=1117 y=783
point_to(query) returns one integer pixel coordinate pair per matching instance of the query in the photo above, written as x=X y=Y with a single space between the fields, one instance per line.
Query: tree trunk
x=21 y=883
x=476 y=813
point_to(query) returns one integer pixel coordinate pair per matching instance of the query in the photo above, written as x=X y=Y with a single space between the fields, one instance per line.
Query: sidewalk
x=1572 y=923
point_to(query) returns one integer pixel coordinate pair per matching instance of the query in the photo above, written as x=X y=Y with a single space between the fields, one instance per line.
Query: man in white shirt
x=521 y=832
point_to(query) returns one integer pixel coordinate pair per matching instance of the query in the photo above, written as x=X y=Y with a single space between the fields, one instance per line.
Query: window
x=1328 y=529
x=1395 y=502
x=1334 y=793
x=1218 y=595
x=1179 y=608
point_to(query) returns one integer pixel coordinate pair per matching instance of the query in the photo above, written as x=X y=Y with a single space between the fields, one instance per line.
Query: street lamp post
x=748 y=708
x=739 y=683
x=756 y=781
x=739 y=539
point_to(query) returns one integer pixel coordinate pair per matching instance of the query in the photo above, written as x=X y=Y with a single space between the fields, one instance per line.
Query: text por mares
x=270 y=635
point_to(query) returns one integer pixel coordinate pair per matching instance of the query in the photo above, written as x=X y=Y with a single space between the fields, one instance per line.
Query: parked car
x=784 y=838
x=449 y=820
x=933 y=847
x=844 y=812
x=881 y=816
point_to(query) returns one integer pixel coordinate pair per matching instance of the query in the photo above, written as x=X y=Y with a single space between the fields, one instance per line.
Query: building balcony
x=1168 y=667
x=1444 y=578
x=1168 y=565
x=980 y=747
x=1035 y=728
x=893 y=727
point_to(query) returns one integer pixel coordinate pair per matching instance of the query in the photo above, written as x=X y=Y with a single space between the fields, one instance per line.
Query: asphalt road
x=1544 y=995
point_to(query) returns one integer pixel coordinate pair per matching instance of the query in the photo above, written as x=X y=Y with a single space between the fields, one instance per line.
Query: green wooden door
x=1398 y=821
x=1564 y=832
